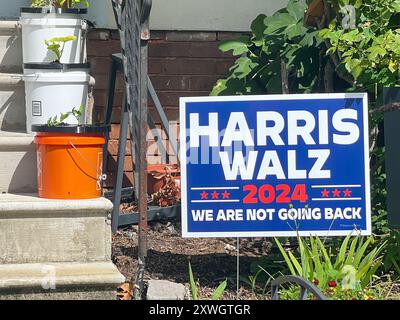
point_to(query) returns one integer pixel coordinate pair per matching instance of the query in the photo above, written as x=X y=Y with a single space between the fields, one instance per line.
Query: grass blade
x=286 y=257
x=324 y=253
x=350 y=254
x=360 y=253
x=342 y=252
x=193 y=286
x=219 y=291
x=296 y=263
x=367 y=278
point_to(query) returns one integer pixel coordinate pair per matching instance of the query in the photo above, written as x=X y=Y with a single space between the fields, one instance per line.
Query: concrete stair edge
x=33 y=205
x=9 y=25
x=10 y=141
x=11 y=79
x=66 y=274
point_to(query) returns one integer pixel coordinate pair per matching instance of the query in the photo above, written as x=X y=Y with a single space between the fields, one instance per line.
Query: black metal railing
x=306 y=287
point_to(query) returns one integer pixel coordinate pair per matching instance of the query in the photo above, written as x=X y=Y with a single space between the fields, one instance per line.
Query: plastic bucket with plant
x=51 y=88
x=47 y=19
x=69 y=159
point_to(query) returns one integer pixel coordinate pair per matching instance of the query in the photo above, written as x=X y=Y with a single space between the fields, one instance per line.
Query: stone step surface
x=18 y=166
x=94 y=280
x=35 y=230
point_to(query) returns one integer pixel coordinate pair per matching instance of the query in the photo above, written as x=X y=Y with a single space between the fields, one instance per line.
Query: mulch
x=212 y=260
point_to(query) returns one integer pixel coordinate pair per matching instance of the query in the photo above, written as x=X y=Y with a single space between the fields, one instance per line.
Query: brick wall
x=180 y=64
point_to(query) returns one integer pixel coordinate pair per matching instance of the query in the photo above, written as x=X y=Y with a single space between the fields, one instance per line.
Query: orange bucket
x=69 y=165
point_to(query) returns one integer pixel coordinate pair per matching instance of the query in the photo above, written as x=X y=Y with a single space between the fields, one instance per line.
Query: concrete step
x=10 y=47
x=35 y=230
x=18 y=166
x=12 y=103
x=95 y=280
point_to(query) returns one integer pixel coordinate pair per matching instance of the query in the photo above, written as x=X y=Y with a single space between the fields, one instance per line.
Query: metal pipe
x=142 y=147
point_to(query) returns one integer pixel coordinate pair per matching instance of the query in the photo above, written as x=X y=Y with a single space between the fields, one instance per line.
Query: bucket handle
x=26 y=76
x=103 y=177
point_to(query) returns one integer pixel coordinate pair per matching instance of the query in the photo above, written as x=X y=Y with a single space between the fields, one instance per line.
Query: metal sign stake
x=237 y=268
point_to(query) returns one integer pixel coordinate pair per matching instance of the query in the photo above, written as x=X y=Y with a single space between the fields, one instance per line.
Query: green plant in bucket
x=57 y=45
x=59 y=3
x=73 y=3
x=42 y=3
x=58 y=121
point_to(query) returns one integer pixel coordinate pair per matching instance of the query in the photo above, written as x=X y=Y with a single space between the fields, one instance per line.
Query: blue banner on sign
x=277 y=165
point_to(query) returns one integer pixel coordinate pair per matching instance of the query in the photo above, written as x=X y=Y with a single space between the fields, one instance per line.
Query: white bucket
x=39 y=27
x=51 y=92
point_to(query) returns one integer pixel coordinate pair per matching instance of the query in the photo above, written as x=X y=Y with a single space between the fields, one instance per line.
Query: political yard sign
x=275 y=165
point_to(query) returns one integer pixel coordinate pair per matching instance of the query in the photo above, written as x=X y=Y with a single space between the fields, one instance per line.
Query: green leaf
x=350 y=254
x=392 y=66
x=304 y=258
x=310 y=38
x=296 y=264
x=375 y=52
x=218 y=88
x=295 y=30
x=297 y=8
x=258 y=27
x=369 y=258
x=219 y=291
x=278 y=22
x=342 y=252
x=193 y=286
x=63 y=116
x=357 y=4
x=286 y=257
x=364 y=270
x=239 y=46
x=360 y=252
x=353 y=66
x=324 y=252
x=315 y=256
x=331 y=50
x=56 y=45
x=243 y=67
x=367 y=278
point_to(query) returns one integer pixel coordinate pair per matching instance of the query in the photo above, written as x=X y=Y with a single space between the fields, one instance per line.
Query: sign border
x=248 y=234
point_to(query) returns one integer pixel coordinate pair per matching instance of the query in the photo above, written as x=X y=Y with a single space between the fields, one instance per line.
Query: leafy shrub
x=369 y=51
x=392 y=257
x=281 y=55
x=368 y=56
x=278 y=43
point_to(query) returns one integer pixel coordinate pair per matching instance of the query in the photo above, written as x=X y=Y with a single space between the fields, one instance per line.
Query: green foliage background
x=283 y=55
